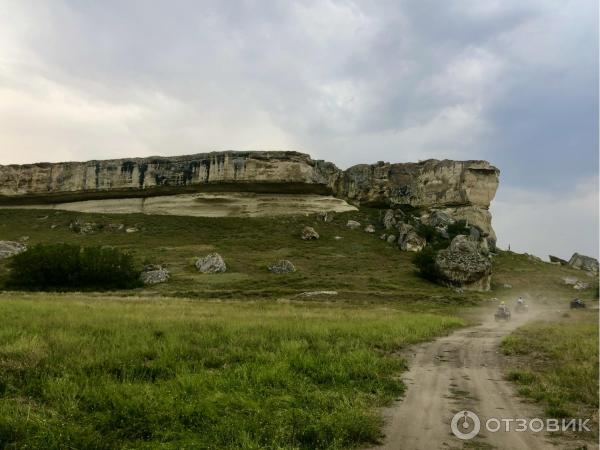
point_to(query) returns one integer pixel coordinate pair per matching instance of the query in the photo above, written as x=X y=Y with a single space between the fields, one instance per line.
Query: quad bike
x=577 y=303
x=502 y=313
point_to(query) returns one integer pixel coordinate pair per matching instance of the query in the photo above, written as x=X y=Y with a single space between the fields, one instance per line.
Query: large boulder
x=154 y=273
x=353 y=224
x=212 y=263
x=282 y=266
x=309 y=234
x=369 y=229
x=463 y=265
x=583 y=262
x=438 y=219
x=389 y=219
x=11 y=248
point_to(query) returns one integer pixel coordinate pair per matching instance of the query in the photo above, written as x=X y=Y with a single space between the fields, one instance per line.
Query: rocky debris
x=309 y=234
x=391 y=239
x=11 y=248
x=463 y=265
x=282 y=266
x=353 y=224
x=42 y=218
x=132 y=230
x=583 y=262
x=412 y=242
x=53 y=226
x=81 y=227
x=408 y=239
x=337 y=238
x=383 y=236
x=316 y=294
x=389 y=219
x=570 y=281
x=369 y=229
x=326 y=217
x=154 y=273
x=580 y=285
x=212 y=263
x=507 y=286
x=438 y=218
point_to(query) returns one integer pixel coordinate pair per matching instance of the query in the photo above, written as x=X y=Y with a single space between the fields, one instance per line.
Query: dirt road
x=463 y=371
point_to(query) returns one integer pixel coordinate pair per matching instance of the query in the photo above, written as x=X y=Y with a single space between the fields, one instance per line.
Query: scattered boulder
x=212 y=263
x=132 y=230
x=353 y=224
x=570 y=281
x=309 y=234
x=412 y=242
x=337 y=238
x=154 y=273
x=81 y=227
x=507 y=286
x=383 y=237
x=369 y=229
x=403 y=230
x=556 y=259
x=391 y=239
x=282 y=266
x=583 y=262
x=580 y=285
x=115 y=226
x=463 y=265
x=11 y=248
x=389 y=219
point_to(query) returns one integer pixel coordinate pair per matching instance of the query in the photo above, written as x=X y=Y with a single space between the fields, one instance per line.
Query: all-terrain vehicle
x=577 y=303
x=502 y=313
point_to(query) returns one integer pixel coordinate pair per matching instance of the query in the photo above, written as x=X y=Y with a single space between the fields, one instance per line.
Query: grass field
x=94 y=372
x=556 y=364
x=231 y=360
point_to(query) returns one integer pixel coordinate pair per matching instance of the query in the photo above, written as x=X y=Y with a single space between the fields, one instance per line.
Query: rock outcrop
x=583 y=262
x=459 y=189
x=464 y=265
x=154 y=274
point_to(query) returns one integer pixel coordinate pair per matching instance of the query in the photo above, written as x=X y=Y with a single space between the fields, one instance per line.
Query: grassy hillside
x=360 y=266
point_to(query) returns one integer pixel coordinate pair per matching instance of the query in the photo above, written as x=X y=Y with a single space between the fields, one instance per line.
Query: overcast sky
x=513 y=82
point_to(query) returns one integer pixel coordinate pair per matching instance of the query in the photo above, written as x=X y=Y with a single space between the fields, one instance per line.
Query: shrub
x=66 y=267
x=425 y=262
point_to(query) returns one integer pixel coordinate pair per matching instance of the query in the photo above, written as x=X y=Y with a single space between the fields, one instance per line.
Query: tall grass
x=557 y=363
x=78 y=372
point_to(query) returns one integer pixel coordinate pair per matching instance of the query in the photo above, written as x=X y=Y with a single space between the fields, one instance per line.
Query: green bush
x=425 y=262
x=69 y=267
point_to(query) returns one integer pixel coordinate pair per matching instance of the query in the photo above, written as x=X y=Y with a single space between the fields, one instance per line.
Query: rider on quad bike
x=521 y=306
x=503 y=313
x=577 y=303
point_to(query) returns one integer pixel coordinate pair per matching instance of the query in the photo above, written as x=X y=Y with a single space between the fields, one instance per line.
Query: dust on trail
x=463 y=371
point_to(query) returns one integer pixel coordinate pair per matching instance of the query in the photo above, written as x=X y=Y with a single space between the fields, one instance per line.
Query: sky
x=511 y=81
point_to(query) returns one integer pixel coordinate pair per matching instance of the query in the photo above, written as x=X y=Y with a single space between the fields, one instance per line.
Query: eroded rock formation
x=460 y=189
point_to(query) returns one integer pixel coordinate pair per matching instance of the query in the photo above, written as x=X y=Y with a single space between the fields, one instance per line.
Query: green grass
x=101 y=372
x=360 y=267
x=556 y=364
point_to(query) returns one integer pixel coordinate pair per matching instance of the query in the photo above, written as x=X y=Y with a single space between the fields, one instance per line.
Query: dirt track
x=463 y=371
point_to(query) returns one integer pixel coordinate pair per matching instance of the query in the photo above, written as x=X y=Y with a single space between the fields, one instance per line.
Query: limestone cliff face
x=463 y=189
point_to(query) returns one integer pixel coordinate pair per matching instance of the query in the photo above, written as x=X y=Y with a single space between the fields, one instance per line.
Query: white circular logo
x=460 y=425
